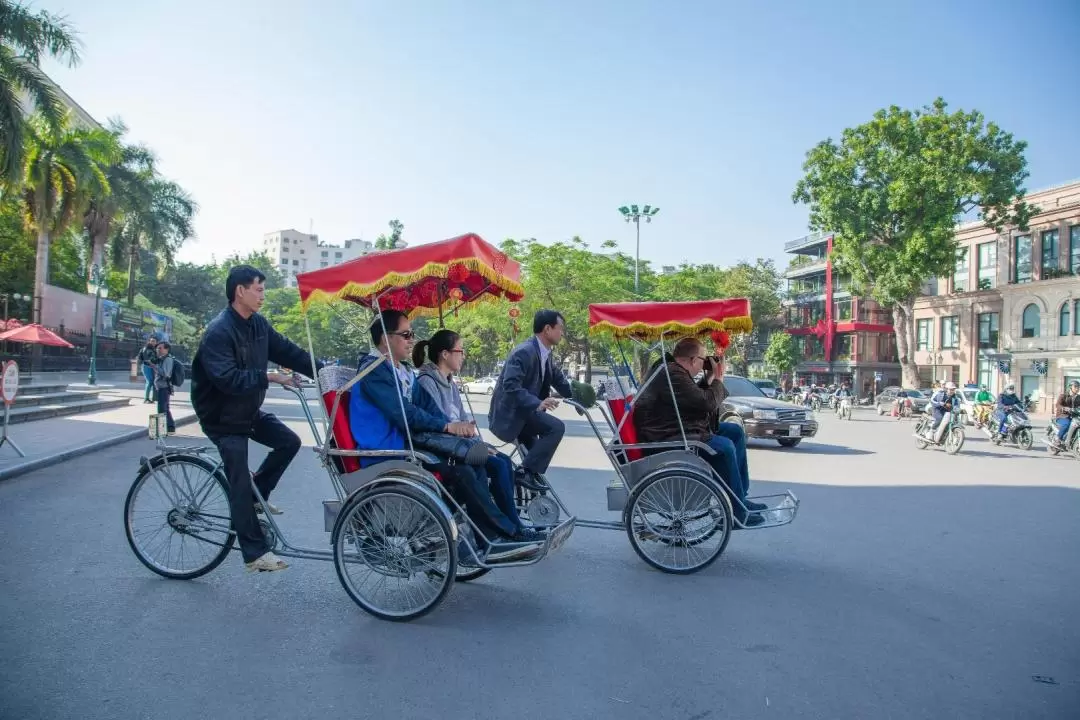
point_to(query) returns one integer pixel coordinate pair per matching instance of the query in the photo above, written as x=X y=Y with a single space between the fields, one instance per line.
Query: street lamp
x=634 y=215
x=12 y=296
x=98 y=287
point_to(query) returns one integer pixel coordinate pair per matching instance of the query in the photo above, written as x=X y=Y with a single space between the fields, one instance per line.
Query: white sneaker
x=267 y=563
x=274 y=509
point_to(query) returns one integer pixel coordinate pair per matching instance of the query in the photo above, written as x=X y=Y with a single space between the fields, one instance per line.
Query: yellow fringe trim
x=741 y=324
x=361 y=291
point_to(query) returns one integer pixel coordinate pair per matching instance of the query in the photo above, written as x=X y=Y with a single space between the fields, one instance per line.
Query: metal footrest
x=781 y=511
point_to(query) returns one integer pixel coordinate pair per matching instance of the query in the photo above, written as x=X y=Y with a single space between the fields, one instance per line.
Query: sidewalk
x=52 y=441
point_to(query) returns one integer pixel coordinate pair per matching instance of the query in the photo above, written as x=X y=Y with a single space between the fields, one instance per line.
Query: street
x=912 y=584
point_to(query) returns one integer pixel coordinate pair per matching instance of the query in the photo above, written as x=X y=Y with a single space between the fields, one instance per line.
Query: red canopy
x=35 y=334
x=419 y=280
x=650 y=320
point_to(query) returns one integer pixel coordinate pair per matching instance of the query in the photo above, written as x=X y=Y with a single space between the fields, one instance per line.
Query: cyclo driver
x=941 y=403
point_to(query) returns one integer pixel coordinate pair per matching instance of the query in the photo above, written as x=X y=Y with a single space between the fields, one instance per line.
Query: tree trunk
x=41 y=274
x=905 y=347
x=588 y=363
x=131 y=273
x=97 y=251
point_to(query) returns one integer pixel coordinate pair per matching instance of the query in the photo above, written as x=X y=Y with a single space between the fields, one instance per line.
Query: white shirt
x=545 y=353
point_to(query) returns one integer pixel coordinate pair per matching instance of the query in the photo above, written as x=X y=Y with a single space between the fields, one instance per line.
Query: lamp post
x=634 y=215
x=12 y=296
x=96 y=286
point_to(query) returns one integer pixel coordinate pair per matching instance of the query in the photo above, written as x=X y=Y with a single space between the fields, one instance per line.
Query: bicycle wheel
x=176 y=516
x=394 y=552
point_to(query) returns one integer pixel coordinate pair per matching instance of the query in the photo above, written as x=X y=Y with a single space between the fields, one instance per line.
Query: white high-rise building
x=297 y=252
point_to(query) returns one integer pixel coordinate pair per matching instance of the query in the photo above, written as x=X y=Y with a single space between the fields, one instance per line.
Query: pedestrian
x=148 y=357
x=163 y=373
x=228 y=385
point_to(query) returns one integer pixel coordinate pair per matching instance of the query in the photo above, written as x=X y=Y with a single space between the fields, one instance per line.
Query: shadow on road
x=811 y=448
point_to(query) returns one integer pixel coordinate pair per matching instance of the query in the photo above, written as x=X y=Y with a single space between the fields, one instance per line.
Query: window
x=1029 y=324
x=986 y=373
x=987 y=265
x=922 y=336
x=324 y=254
x=950 y=332
x=1049 y=251
x=988 y=331
x=1022 y=259
x=323 y=264
x=295 y=262
x=1074 y=249
x=1029 y=384
x=1063 y=320
x=284 y=248
x=962 y=273
x=301 y=251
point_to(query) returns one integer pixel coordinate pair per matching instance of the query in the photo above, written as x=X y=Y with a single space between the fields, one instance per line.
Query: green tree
x=25 y=38
x=389 y=242
x=63 y=169
x=893 y=190
x=760 y=284
x=781 y=354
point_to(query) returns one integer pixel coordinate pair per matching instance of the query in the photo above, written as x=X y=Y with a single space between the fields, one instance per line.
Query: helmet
x=950 y=385
x=1010 y=388
x=1075 y=384
x=982 y=387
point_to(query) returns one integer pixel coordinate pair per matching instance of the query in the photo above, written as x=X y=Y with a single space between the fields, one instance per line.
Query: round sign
x=9 y=385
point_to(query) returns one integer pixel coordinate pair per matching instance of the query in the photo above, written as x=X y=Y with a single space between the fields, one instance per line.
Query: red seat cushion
x=342 y=434
x=628 y=433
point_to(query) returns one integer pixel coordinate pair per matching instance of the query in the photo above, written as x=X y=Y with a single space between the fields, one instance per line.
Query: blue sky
x=538 y=119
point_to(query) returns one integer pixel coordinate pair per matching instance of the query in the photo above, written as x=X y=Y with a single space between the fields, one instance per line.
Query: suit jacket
x=521 y=388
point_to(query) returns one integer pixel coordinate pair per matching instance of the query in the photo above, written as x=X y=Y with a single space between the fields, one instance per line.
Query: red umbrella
x=35 y=334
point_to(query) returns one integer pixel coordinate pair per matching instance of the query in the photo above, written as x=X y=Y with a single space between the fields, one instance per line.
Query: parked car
x=768 y=387
x=885 y=399
x=763 y=417
x=480 y=386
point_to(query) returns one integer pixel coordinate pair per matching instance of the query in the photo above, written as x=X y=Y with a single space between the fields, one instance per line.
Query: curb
x=56 y=458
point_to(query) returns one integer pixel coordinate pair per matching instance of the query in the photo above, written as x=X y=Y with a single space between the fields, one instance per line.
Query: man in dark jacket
x=657 y=416
x=228 y=384
x=522 y=399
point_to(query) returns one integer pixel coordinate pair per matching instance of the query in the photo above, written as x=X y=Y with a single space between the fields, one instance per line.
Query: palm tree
x=131 y=186
x=26 y=37
x=159 y=228
x=62 y=171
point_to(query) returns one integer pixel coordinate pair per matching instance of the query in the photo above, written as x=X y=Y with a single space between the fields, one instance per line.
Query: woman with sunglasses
x=438 y=360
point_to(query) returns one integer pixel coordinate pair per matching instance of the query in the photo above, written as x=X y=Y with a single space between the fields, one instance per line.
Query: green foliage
x=893 y=190
x=389 y=242
x=781 y=354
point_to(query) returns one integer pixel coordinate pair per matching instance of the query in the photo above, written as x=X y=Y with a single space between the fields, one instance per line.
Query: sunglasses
x=407 y=334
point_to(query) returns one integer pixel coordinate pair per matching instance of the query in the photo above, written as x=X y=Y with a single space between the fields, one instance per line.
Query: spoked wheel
x=920 y=428
x=954 y=440
x=394 y=552
x=1023 y=439
x=678 y=521
x=176 y=516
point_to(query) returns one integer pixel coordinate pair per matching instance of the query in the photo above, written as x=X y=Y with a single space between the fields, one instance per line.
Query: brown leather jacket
x=655 y=416
x=1066 y=400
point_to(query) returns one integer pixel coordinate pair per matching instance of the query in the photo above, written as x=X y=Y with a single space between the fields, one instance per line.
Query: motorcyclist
x=941 y=402
x=1066 y=402
x=984 y=401
x=1007 y=403
x=844 y=391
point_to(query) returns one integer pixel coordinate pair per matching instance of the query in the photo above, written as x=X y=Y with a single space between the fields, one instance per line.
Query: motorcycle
x=843 y=408
x=1017 y=429
x=981 y=415
x=949 y=435
x=1071 y=445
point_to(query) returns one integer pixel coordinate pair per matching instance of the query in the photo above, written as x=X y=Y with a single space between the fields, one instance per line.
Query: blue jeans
x=726 y=463
x=500 y=471
x=1063 y=427
x=737 y=436
x=148 y=373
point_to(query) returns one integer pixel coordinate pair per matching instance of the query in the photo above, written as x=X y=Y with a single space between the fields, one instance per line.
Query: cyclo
x=394 y=527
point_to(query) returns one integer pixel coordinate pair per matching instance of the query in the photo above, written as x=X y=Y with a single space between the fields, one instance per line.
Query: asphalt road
x=912 y=585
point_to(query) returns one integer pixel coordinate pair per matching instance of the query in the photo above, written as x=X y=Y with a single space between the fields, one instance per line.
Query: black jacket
x=228 y=375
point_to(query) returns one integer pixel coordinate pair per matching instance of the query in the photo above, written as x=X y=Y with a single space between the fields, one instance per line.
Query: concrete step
x=41 y=389
x=78 y=407
x=53 y=398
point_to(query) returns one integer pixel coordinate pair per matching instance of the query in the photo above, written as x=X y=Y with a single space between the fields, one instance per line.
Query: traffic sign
x=9 y=384
x=877 y=377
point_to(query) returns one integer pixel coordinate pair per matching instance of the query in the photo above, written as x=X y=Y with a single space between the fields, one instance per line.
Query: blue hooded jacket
x=375 y=412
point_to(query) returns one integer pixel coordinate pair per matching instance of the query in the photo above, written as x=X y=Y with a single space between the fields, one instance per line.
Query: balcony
x=807 y=241
x=810 y=268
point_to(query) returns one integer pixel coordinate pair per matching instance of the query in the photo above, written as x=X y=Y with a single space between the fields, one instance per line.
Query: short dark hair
x=546 y=318
x=165 y=345
x=391 y=319
x=242 y=275
x=687 y=348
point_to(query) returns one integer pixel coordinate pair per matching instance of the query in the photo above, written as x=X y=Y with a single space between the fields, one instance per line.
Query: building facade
x=838 y=336
x=297 y=252
x=1011 y=310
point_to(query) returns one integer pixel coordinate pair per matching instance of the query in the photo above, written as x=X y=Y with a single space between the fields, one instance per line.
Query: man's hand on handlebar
x=284 y=380
x=548 y=404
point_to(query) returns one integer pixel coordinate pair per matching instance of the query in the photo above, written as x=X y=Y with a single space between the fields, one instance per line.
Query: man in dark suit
x=520 y=404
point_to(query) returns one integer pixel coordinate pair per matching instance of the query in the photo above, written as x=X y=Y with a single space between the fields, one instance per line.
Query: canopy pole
x=318 y=385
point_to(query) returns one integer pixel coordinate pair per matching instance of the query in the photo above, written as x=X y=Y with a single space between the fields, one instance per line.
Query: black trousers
x=541 y=437
x=469 y=486
x=270 y=432
x=164 y=395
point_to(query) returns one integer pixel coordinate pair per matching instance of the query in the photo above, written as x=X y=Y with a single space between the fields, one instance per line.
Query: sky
x=522 y=119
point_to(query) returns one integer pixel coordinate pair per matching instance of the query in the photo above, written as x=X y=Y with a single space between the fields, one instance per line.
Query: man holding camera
x=656 y=419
